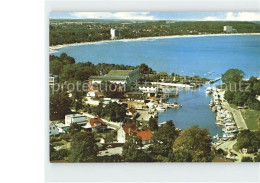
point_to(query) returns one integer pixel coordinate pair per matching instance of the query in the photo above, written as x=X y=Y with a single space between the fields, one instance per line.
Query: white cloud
x=239 y=16
x=116 y=15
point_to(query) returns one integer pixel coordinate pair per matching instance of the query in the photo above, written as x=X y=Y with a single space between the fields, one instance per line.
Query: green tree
x=193 y=144
x=246 y=159
x=257 y=158
x=132 y=150
x=56 y=67
x=153 y=124
x=232 y=76
x=256 y=88
x=83 y=148
x=60 y=104
x=229 y=96
x=144 y=69
x=74 y=128
x=163 y=140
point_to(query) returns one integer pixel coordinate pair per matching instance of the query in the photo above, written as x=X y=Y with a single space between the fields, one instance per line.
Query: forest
x=77 y=31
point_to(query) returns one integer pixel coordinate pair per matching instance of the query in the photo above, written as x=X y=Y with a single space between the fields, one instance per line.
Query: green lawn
x=252 y=118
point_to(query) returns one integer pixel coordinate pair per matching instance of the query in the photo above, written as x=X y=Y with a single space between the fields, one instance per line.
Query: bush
x=247 y=159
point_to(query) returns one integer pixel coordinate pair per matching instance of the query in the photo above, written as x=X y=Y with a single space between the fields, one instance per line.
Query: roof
x=119 y=72
x=132 y=110
x=92 y=122
x=61 y=125
x=144 y=134
x=116 y=75
x=129 y=128
x=75 y=115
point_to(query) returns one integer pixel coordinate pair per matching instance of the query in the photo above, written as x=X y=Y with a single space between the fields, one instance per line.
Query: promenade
x=241 y=124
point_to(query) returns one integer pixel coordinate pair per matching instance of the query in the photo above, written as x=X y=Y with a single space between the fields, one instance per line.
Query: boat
x=175 y=105
x=228 y=135
x=209 y=90
x=211 y=103
x=160 y=109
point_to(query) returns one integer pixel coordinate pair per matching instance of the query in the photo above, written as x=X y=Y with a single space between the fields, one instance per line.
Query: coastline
x=55 y=48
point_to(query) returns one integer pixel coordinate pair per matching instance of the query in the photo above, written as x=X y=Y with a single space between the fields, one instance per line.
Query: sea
x=206 y=56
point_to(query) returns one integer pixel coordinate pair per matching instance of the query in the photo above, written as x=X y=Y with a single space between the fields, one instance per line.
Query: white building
x=75 y=118
x=53 y=129
x=114 y=33
x=227 y=29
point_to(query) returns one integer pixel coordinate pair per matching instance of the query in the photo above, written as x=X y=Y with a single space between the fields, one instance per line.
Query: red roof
x=129 y=128
x=132 y=110
x=92 y=122
x=144 y=134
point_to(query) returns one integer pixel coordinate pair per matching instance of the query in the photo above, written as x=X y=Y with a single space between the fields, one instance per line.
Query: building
x=114 y=34
x=53 y=129
x=53 y=79
x=95 y=125
x=75 y=118
x=123 y=78
x=62 y=127
x=124 y=131
x=228 y=29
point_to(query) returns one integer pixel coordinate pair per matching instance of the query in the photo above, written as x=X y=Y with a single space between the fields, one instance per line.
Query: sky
x=204 y=16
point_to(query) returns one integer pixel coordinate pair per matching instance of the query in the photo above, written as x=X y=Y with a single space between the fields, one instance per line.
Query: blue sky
x=211 y=16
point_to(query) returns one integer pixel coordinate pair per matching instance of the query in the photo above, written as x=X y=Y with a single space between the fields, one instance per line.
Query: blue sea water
x=205 y=56
x=208 y=56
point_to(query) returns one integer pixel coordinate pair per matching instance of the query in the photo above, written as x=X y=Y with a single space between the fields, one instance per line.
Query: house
x=57 y=128
x=131 y=112
x=62 y=127
x=95 y=125
x=123 y=78
x=114 y=33
x=228 y=29
x=53 y=129
x=75 y=118
x=124 y=131
x=53 y=79
x=146 y=136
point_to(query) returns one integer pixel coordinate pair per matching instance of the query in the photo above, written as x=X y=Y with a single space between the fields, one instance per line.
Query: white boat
x=209 y=90
x=160 y=109
x=175 y=105
x=228 y=135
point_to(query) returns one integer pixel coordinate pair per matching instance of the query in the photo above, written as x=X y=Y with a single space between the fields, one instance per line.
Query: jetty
x=215 y=80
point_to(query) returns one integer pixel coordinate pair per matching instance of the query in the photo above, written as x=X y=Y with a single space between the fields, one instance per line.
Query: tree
x=144 y=69
x=193 y=144
x=66 y=59
x=153 y=124
x=83 y=148
x=257 y=158
x=229 y=95
x=256 y=88
x=74 y=128
x=163 y=140
x=232 y=76
x=60 y=104
x=132 y=150
x=56 y=67
x=246 y=159
x=240 y=98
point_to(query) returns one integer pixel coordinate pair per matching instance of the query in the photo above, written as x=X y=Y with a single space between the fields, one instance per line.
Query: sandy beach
x=57 y=47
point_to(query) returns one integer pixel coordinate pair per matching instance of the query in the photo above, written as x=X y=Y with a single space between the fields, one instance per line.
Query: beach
x=52 y=49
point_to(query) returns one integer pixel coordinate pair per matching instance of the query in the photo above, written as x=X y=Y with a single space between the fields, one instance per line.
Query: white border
x=144 y=172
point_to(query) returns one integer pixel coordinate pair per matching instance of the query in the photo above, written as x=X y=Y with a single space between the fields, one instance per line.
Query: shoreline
x=53 y=49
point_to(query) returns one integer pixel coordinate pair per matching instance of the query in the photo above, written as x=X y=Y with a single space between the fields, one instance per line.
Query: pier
x=215 y=80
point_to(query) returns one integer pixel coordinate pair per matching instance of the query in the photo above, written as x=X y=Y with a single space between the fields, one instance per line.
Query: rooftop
x=144 y=134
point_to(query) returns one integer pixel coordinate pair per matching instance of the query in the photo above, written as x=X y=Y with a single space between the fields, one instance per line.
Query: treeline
x=240 y=92
x=66 y=68
x=66 y=32
x=169 y=145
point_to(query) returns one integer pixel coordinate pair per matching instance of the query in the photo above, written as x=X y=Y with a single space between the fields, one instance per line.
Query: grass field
x=252 y=118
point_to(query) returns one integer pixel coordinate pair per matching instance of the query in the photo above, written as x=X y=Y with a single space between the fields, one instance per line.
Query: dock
x=215 y=80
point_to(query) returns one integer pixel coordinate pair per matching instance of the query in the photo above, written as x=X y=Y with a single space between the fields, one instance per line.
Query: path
x=241 y=124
